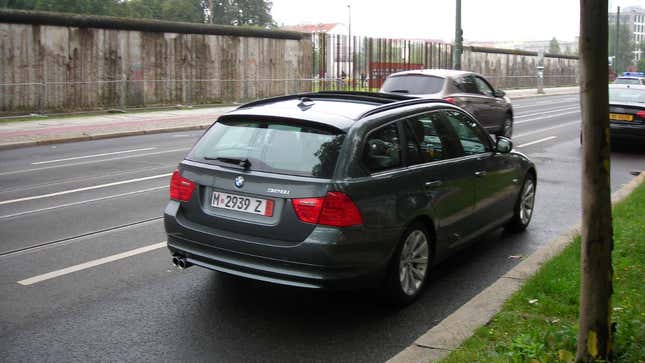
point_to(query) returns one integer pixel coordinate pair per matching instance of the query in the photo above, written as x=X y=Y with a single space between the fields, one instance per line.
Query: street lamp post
x=349 y=42
x=456 y=61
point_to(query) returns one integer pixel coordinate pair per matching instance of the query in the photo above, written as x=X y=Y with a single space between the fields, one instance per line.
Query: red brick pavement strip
x=63 y=139
x=129 y=124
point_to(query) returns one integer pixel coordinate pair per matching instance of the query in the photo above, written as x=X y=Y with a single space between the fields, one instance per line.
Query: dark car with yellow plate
x=627 y=112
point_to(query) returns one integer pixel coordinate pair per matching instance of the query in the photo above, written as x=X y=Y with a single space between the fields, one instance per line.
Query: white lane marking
x=548 y=111
x=82 y=202
x=545 y=117
x=538 y=141
x=577 y=122
x=25 y=188
x=84 y=189
x=90 y=264
x=93 y=156
x=545 y=103
x=93 y=161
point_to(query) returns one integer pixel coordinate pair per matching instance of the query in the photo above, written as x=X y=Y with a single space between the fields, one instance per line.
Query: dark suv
x=343 y=189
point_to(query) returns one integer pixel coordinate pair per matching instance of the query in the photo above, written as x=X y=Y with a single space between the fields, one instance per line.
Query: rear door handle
x=480 y=173
x=433 y=184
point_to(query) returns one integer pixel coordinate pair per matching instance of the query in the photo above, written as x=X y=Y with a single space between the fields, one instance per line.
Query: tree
x=228 y=12
x=641 y=61
x=243 y=12
x=625 y=47
x=594 y=335
x=554 y=46
x=192 y=11
x=94 y=7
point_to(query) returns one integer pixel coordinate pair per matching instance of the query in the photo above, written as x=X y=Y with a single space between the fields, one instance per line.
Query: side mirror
x=499 y=93
x=503 y=145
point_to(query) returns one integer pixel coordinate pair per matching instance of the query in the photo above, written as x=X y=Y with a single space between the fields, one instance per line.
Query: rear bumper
x=624 y=131
x=328 y=258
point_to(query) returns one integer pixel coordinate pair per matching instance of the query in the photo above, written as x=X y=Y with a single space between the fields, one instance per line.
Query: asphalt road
x=85 y=276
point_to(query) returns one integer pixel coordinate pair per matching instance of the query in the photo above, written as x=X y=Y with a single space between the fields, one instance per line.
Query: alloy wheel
x=413 y=265
x=528 y=198
x=508 y=128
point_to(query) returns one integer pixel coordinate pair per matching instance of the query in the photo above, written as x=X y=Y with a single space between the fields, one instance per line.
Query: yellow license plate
x=621 y=117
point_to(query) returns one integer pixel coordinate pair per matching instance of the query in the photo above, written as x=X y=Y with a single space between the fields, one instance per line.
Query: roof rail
x=371 y=95
x=382 y=98
x=408 y=102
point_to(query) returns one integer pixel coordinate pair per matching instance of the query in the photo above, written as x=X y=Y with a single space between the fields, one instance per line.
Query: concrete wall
x=63 y=63
x=67 y=68
x=507 y=68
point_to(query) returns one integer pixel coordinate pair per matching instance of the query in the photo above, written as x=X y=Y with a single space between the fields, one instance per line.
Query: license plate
x=242 y=204
x=621 y=117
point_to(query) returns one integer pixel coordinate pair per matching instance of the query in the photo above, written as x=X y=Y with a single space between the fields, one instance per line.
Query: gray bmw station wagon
x=327 y=190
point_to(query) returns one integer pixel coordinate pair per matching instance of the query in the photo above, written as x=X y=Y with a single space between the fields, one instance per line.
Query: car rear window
x=283 y=147
x=413 y=84
x=627 y=95
x=627 y=81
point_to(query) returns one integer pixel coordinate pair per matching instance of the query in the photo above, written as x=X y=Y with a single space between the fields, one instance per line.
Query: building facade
x=634 y=18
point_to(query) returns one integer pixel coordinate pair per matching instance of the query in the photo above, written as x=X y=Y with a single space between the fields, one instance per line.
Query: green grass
x=539 y=322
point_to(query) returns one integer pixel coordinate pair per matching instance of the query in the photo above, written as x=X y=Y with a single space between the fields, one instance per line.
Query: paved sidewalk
x=51 y=130
x=516 y=94
x=67 y=129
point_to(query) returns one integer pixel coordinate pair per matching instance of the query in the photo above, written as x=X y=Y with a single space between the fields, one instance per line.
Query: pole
x=458 y=38
x=210 y=11
x=349 y=42
x=617 y=38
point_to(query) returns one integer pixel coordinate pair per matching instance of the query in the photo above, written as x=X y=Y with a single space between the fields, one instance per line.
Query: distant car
x=324 y=190
x=636 y=78
x=468 y=90
x=627 y=112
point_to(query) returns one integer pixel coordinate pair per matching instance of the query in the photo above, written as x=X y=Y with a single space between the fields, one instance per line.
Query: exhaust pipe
x=180 y=262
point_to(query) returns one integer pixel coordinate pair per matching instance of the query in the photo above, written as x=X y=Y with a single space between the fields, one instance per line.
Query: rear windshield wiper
x=399 y=91
x=244 y=163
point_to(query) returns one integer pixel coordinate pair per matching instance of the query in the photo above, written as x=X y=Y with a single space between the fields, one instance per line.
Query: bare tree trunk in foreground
x=594 y=336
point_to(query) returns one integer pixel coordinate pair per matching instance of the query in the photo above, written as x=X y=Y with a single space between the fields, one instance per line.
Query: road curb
x=101 y=136
x=450 y=333
x=572 y=91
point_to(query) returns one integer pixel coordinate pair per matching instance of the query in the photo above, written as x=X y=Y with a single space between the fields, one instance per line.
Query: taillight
x=308 y=209
x=336 y=209
x=268 y=211
x=641 y=114
x=181 y=189
x=450 y=100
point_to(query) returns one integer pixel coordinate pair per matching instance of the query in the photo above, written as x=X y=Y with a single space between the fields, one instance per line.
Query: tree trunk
x=594 y=336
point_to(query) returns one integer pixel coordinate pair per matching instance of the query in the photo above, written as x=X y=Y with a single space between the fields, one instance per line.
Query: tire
x=410 y=266
x=507 y=127
x=523 y=210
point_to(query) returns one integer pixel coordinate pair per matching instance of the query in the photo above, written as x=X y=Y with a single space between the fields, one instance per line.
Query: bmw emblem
x=239 y=181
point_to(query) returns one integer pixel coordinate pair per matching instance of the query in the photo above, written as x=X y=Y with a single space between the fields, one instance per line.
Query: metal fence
x=339 y=62
x=70 y=97
x=360 y=63
x=518 y=82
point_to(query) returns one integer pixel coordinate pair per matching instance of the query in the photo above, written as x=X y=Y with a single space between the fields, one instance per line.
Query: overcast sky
x=482 y=20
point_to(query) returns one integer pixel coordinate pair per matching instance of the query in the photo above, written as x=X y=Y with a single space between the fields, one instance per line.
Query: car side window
x=483 y=87
x=467 y=84
x=423 y=141
x=472 y=138
x=382 y=149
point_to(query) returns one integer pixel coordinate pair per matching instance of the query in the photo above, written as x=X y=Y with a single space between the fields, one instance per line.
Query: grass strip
x=539 y=322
